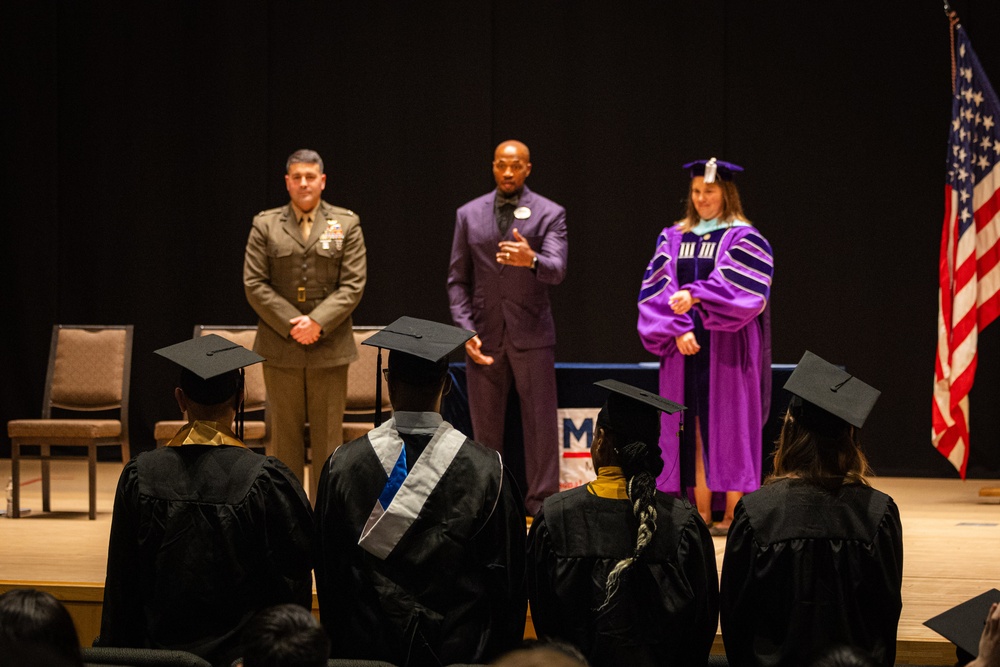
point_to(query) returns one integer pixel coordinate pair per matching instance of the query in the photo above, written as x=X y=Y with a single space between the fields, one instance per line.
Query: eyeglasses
x=515 y=167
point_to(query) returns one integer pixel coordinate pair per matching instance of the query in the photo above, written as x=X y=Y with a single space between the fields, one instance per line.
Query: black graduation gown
x=451 y=591
x=807 y=568
x=666 y=609
x=202 y=538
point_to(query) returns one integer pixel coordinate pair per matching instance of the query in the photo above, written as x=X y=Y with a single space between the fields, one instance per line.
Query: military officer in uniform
x=304 y=273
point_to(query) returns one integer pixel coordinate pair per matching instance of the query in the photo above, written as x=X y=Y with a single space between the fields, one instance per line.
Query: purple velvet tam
x=724 y=170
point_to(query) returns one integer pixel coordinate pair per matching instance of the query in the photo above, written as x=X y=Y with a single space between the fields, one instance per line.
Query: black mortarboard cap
x=963 y=625
x=419 y=347
x=210 y=367
x=427 y=340
x=833 y=390
x=634 y=412
x=711 y=168
x=640 y=399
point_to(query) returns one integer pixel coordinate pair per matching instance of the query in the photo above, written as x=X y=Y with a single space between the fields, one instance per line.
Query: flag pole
x=952 y=22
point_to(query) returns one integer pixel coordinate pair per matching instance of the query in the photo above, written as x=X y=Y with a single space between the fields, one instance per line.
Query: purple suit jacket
x=507 y=302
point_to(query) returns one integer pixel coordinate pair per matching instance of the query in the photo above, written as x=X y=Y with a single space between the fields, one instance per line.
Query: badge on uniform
x=522 y=212
x=334 y=232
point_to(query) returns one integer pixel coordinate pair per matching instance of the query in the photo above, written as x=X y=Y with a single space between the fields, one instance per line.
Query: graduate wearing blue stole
x=420 y=531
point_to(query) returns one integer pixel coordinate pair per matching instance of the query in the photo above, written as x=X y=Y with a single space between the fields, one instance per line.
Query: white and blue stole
x=405 y=493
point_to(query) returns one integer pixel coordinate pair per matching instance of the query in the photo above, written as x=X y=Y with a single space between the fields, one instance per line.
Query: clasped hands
x=305 y=330
x=681 y=302
x=516 y=252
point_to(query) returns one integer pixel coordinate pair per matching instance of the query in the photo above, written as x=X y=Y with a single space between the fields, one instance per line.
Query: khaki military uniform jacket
x=323 y=277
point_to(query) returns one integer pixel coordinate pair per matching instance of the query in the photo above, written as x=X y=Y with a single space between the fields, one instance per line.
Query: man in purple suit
x=509 y=246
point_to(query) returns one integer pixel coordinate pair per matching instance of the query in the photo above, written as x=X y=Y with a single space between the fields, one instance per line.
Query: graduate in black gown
x=623 y=571
x=205 y=531
x=815 y=557
x=420 y=531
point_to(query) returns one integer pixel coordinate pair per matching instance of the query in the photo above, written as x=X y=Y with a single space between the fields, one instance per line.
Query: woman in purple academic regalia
x=703 y=309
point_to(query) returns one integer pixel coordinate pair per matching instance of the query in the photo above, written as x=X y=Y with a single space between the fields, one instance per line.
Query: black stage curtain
x=140 y=139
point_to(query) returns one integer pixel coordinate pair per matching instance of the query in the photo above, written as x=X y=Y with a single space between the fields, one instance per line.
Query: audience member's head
x=820 y=439
x=628 y=435
x=35 y=624
x=286 y=635
x=543 y=654
x=844 y=656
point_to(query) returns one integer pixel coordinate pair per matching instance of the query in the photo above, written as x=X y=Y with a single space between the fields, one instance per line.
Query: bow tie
x=507 y=201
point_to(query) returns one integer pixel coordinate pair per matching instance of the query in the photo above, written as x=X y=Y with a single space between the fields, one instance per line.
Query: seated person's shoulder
x=350 y=453
x=786 y=509
x=472 y=448
x=678 y=522
x=679 y=510
x=275 y=466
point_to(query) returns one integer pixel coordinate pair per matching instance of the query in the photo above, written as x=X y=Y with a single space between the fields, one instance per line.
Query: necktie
x=306 y=226
x=505 y=212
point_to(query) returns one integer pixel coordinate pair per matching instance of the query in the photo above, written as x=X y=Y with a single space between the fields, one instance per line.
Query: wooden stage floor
x=951 y=545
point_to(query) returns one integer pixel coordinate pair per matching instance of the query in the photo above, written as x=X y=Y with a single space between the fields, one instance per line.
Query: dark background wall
x=140 y=138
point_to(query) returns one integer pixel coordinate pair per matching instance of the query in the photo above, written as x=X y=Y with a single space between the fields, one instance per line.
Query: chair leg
x=15 y=475
x=46 y=481
x=92 y=479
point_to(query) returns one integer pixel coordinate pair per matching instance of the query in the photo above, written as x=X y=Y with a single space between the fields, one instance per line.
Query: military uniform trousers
x=287 y=392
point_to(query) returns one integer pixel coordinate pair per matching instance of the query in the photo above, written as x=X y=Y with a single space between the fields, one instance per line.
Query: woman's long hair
x=814 y=447
x=732 y=208
x=641 y=463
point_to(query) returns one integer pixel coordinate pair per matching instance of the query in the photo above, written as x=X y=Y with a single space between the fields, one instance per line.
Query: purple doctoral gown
x=734 y=310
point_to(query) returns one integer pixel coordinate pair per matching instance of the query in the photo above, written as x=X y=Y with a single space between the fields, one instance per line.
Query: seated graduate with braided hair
x=623 y=571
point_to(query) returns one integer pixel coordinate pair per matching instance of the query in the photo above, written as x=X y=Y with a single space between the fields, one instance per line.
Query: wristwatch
x=534 y=262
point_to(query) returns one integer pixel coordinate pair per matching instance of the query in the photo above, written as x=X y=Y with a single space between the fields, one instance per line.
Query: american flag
x=969 y=296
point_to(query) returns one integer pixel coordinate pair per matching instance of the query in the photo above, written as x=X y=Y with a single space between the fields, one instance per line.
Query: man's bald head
x=512 y=148
x=511 y=166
